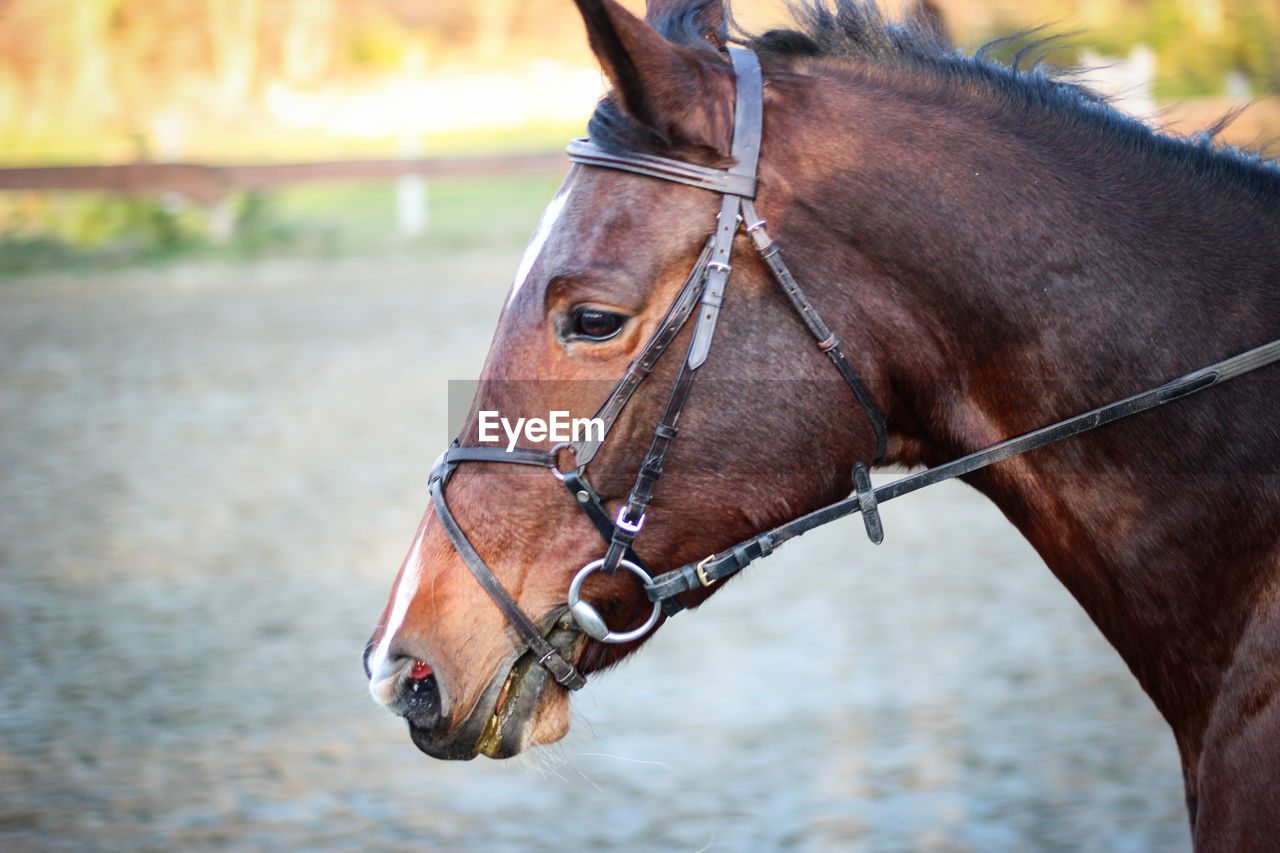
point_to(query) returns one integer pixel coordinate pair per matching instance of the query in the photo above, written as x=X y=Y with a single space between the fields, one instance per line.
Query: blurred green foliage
x=42 y=230
x=88 y=230
x=1199 y=43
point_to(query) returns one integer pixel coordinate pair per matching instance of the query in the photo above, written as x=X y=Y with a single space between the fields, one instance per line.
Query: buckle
x=701 y=570
x=632 y=527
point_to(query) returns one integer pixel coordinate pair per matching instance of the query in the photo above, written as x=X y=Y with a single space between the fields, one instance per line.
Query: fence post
x=412 y=214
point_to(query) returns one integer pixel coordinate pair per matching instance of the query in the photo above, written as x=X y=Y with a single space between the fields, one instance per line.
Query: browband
x=587 y=153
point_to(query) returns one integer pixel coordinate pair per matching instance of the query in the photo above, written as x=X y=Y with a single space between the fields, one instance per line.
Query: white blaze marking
x=405 y=592
x=545 y=226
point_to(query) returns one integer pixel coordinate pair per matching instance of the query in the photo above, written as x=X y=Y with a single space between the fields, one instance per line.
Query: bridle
x=702 y=294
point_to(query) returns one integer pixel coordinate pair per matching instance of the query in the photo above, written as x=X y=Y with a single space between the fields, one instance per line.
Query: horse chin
x=521 y=706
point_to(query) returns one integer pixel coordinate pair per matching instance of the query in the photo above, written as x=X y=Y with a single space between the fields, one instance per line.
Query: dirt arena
x=208 y=477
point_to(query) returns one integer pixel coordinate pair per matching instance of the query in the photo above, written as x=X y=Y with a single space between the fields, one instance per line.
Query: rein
x=866 y=500
x=703 y=294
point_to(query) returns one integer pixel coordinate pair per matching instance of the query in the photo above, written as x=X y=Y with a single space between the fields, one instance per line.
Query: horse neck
x=1015 y=269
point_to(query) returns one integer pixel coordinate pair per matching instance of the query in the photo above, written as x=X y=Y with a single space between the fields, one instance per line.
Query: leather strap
x=632 y=519
x=587 y=153
x=748 y=120
x=585 y=495
x=748 y=115
x=822 y=334
x=672 y=322
x=718 y=269
x=561 y=670
x=518 y=455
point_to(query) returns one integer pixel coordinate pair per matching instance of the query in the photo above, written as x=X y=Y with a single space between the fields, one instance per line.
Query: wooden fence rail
x=211 y=184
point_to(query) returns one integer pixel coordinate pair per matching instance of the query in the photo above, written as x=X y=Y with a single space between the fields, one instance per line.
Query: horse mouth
x=521 y=706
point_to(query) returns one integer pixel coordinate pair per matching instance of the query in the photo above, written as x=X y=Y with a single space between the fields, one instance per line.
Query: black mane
x=857 y=31
x=845 y=29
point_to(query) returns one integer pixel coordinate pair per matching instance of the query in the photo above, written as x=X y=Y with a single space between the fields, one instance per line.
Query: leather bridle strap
x=640 y=368
x=664 y=168
x=518 y=455
x=822 y=334
x=561 y=670
x=748 y=126
x=866 y=500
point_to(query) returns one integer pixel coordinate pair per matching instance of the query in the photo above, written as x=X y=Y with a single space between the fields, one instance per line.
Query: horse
x=986 y=250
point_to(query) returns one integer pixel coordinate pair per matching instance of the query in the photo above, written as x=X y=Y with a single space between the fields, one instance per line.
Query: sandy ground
x=209 y=476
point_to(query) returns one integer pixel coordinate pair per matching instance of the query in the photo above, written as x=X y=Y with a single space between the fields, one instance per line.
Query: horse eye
x=596 y=325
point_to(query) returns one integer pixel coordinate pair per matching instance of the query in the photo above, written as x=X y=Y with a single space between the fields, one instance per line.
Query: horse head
x=610 y=258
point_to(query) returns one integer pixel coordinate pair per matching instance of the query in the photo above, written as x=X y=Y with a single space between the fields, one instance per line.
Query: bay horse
x=994 y=250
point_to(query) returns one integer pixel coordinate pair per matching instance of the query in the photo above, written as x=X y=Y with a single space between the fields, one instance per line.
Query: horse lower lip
x=429 y=742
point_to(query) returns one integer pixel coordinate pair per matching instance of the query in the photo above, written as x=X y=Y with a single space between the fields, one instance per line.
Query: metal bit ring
x=589 y=619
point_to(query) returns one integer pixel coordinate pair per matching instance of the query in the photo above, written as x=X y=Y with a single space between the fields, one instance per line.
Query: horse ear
x=657 y=82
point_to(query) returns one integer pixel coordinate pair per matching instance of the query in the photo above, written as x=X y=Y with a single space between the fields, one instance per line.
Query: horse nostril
x=421 y=698
x=406 y=685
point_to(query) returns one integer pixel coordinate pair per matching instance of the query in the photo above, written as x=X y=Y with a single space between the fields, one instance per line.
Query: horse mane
x=857 y=32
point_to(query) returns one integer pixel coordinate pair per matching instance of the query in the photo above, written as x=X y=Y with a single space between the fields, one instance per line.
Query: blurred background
x=263 y=83
x=223 y=373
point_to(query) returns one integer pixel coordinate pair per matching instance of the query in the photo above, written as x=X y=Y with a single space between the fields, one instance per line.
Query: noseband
x=703 y=293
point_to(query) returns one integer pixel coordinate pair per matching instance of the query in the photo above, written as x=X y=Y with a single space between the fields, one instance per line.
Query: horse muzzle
x=520 y=705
